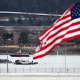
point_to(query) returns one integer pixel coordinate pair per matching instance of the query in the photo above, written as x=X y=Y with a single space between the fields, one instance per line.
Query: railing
x=40 y=70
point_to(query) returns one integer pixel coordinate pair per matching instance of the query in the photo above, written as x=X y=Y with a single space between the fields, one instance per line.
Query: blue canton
x=75 y=11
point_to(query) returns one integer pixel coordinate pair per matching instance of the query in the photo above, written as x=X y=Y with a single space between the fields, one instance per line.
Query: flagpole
x=65 y=57
x=7 y=62
x=57 y=62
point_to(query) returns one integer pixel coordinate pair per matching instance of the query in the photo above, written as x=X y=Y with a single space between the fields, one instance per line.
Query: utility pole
x=65 y=57
x=7 y=62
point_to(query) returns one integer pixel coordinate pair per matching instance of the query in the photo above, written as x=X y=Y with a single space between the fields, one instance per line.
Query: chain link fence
x=40 y=70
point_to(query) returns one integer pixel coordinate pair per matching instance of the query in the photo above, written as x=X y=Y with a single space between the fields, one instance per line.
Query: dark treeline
x=39 y=6
x=34 y=6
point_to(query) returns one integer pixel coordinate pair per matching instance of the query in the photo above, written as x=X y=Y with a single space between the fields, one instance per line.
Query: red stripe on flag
x=56 y=21
x=52 y=36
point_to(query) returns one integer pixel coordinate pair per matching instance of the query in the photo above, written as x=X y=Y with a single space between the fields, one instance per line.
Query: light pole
x=7 y=62
x=65 y=57
x=7 y=56
x=30 y=35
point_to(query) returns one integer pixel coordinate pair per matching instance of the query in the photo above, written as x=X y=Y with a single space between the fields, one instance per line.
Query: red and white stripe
x=63 y=29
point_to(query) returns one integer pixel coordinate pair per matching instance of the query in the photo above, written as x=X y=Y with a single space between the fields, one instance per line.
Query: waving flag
x=67 y=27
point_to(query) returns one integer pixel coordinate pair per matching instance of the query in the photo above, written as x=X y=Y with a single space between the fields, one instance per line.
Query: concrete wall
x=38 y=76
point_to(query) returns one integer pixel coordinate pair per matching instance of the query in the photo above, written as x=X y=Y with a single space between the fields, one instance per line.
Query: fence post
x=45 y=69
x=0 y=70
x=23 y=70
x=37 y=70
x=60 y=69
x=15 y=70
x=30 y=69
x=67 y=70
x=74 y=69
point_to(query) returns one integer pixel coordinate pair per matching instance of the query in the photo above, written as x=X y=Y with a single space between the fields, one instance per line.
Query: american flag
x=67 y=27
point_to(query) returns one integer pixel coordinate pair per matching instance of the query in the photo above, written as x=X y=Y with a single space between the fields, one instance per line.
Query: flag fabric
x=67 y=27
